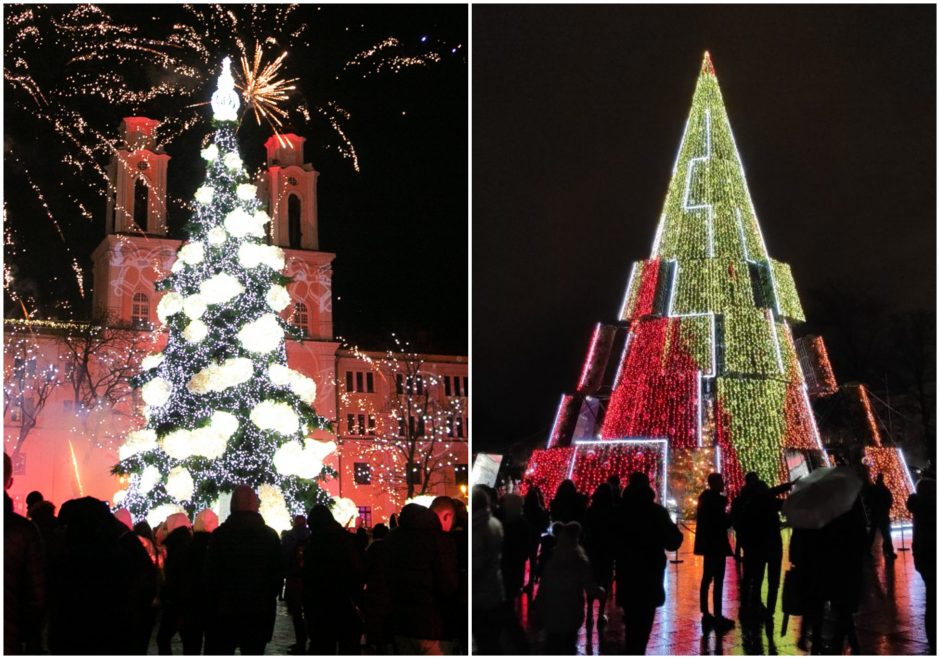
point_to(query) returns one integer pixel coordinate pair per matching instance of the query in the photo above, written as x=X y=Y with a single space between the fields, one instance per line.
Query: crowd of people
x=539 y=569
x=89 y=581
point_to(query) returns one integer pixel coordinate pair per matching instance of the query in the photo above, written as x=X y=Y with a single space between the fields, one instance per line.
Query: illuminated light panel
x=589 y=361
x=594 y=461
x=546 y=469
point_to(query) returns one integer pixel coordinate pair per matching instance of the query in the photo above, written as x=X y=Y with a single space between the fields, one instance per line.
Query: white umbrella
x=819 y=498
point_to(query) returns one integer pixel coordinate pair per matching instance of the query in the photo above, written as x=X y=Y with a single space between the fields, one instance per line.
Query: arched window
x=141 y=192
x=301 y=317
x=293 y=221
x=140 y=310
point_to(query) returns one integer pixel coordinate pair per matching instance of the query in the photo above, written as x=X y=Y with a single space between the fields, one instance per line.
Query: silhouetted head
x=319 y=517
x=33 y=497
x=300 y=522
x=445 y=510
x=512 y=505
x=614 y=482
x=7 y=472
x=479 y=499
x=533 y=497
x=715 y=482
x=603 y=496
x=880 y=479
x=639 y=479
x=177 y=520
x=206 y=521
x=566 y=489
x=393 y=521
x=379 y=531
x=143 y=529
x=751 y=477
x=245 y=499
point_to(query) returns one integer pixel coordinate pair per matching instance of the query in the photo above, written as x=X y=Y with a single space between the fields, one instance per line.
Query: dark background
x=398 y=228
x=577 y=115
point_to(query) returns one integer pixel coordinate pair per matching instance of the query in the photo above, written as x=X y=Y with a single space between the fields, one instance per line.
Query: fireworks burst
x=72 y=71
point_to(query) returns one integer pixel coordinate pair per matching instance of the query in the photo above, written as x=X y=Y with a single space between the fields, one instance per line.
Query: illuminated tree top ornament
x=225 y=101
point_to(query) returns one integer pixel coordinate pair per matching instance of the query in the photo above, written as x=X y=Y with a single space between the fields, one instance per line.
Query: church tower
x=135 y=252
x=289 y=188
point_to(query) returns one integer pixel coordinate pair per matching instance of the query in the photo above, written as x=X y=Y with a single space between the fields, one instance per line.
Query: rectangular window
x=399 y=384
x=446 y=385
x=365 y=516
x=362 y=473
x=358 y=380
x=460 y=426
x=350 y=424
x=456 y=385
x=421 y=427
x=370 y=383
x=411 y=426
x=372 y=425
x=450 y=425
x=460 y=474
x=349 y=386
x=466 y=386
x=362 y=424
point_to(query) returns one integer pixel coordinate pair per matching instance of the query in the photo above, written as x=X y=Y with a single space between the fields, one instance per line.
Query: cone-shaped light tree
x=710 y=359
x=221 y=405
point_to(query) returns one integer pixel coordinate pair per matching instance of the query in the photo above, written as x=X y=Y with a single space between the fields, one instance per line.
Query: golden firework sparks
x=263 y=89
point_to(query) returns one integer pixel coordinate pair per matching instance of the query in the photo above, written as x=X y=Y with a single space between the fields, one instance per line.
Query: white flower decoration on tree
x=119 y=497
x=177 y=266
x=196 y=331
x=277 y=297
x=158 y=514
x=232 y=161
x=345 y=511
x=179 y=484
x=273 y=508
x=261 y=218
x=219 y=377
x=136 y=442
x=148 y=479
x=305 y=388
x=246 y=191
x=240 y=224
x=276 y=416
x=210 y=153
x=169 y=304
x=220 y=288
x=152 y=361
x=216 y=236
x=194 y=306
x=262 y=335
x=192 y=253
x=178 y=444
x=251 y=255
x=204 y=194
x=156 y=392
x=303 y=461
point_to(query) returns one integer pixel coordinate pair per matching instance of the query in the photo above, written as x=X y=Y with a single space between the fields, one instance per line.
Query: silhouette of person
x=923 y=507
x=516 y=538
x=533 y=509
x=646 y=532
x=175 y=581
x=24 y=573
x=332 y=585
x=879 y=502
x=293 y=542
x=712 y=522
x=377 y=600
x=488 y=599
x=600 y=544
x=561 y=597
x=242 y=577
x=568 y=505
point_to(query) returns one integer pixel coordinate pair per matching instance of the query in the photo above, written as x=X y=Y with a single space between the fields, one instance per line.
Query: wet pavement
x=889 y=620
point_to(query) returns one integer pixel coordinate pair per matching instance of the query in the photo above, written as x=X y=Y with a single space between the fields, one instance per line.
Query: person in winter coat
x=712 y=522
x=24 y=577
x=423 y=581
x=600 y=543
x=194 y=597
x=488 y=598
x=293 y=542
x=516 y=537
x=880 y=500
x=646 y=532
x=243 y=573
x=560 y=603
x=332 y=585
x=376 y=599
x=174 y=583
x=923 y=507
x=533 y=509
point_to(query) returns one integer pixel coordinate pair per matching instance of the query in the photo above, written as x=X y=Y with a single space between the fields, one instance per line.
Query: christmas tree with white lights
x=221 y=405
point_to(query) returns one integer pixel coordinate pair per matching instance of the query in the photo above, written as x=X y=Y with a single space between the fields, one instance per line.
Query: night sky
x=577 y=115
x=399 y=228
